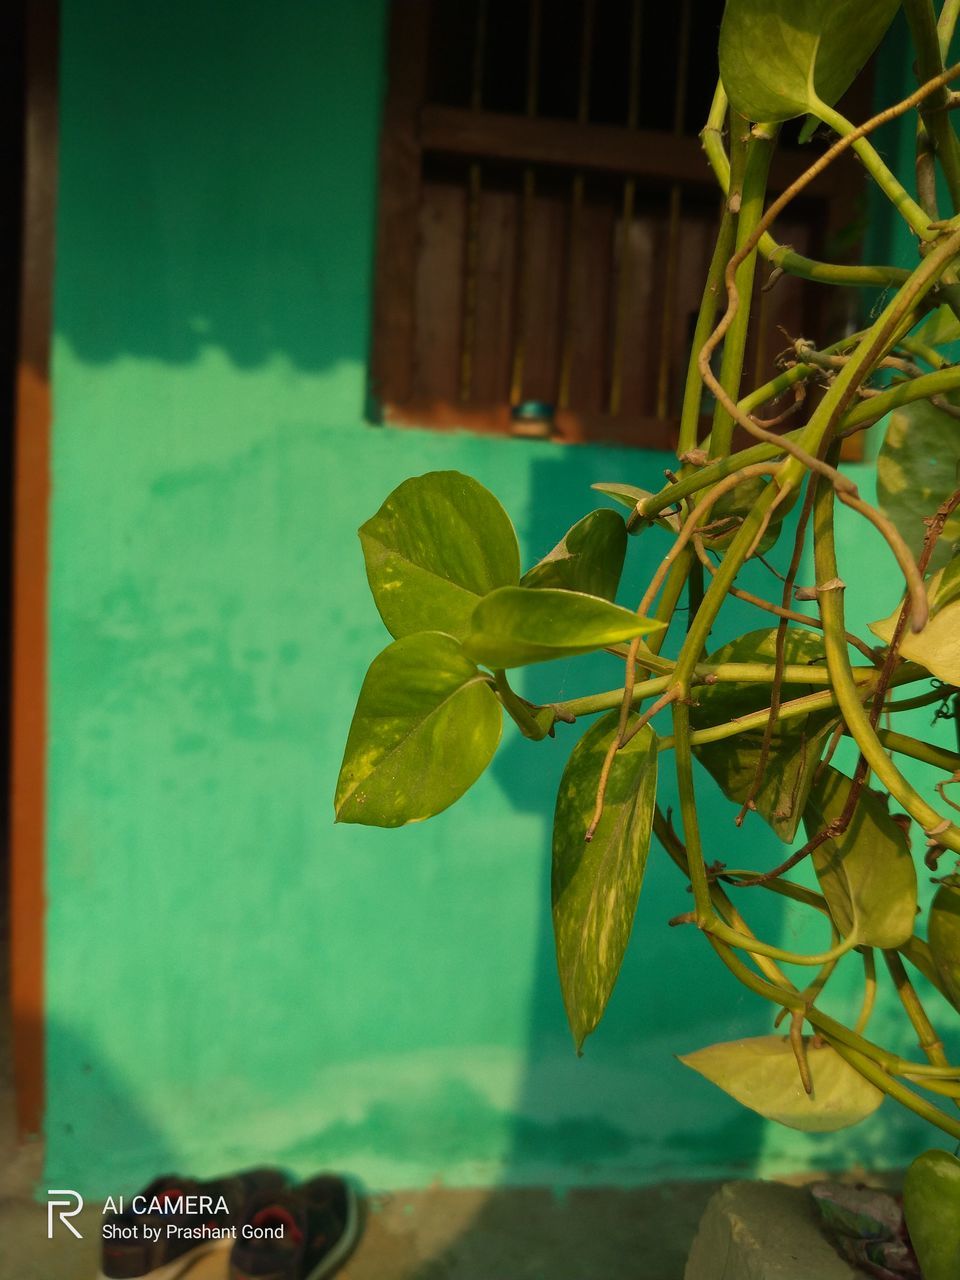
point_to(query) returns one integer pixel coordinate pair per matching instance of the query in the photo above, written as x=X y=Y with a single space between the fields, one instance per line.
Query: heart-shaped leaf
x=796 y=746
x=589 y=558
x=762 y=1074
x=426 y=726
x=866 y=873
x=629 y=495
x=783 y=58
x=917 y=470
x=438 y=544
x=595 y=886
x=515 y=626
x=931 y=1206
x=943 y=935
x=937 y=646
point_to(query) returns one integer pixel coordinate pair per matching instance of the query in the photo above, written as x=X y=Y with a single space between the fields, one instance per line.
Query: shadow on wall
x=104 y=1110
x=664 y=1002
x=227 y=184
x=673 y=994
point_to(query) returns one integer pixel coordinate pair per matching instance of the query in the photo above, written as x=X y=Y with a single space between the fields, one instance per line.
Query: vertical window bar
x=576 y=206
x=626 y=220
x=673 y=227
x=468 y=330
x=525 y=225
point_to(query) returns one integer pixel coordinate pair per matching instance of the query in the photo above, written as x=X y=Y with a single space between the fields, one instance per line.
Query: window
x=547 y=217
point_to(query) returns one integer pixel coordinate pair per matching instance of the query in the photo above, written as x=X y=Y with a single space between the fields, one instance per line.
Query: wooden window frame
x=413 y=127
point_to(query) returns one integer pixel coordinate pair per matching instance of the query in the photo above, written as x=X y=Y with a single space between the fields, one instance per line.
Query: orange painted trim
x=31 y=519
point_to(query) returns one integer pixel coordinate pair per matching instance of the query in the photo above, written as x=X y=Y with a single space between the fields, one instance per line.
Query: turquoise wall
x=231 y=977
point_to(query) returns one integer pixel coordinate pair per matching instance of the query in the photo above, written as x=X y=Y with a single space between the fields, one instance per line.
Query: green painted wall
x=230 y=977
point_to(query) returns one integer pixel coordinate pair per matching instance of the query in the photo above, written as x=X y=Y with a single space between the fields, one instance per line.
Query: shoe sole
x=174 y=1270
x=344 y=1246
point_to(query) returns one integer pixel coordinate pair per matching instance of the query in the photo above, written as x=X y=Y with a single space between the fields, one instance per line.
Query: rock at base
x=763 y=1231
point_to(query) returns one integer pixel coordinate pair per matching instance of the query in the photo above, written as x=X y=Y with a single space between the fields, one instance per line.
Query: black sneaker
x=305 y=1233
x=165 y=1228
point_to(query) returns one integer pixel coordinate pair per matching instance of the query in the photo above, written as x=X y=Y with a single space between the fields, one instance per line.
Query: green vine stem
x=783 y=256
x=916 y=218
x=857 y=719
x=759 y=152
x=841 y=388
x=946 y=24
x=935 y=120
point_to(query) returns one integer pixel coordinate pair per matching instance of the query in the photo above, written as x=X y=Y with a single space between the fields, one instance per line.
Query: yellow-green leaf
x=937 y=646
x=629 y=495
x=515 y=626
x=931 y=1206
x=797 y=743
x=943 y=936
x=762 y=1074
x=426 y=726
x=595 y=886
x=588 y=558
x=779 y=58
x=917 y=470
x=866 y=873
x=939 y=328
x=438 y=544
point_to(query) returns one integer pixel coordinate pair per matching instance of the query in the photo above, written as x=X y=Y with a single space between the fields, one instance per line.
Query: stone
x=763 y=1231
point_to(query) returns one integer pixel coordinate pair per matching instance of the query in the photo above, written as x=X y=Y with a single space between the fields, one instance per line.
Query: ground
x=438 y=1234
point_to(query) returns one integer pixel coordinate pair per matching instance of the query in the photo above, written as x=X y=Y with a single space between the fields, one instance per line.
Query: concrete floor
x=438 y=1234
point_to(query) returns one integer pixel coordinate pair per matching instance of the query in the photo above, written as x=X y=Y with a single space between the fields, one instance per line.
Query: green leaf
x=931 y=1205
x=781 y=58
x=940 y=327
x=437 y=545
x=426 y=726
x=944 y=588
x=629 y=495
x=762 y=1074
x=917 y=470
x=595 y=886
x=866 y=873
x=796 y=746
x=728 y=512
x=515 y=626
x=937 y=646
x=589 y=558
x=943 y=935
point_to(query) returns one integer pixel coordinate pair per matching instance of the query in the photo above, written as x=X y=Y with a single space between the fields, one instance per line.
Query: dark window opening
x=547 y=216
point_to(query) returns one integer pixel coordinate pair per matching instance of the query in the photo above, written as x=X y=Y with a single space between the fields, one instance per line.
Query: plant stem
x=518 y=709
x=845 y=688
x=873 y=1072
x=869 y=990
x=696 y=868
x=759 y=153
x=939 y=757
x=693 y=387
x=935 y=120
x=930 y=1043
x=783 y=256
x=872 y=346
x=922 y=388
x=945 y=26
x=915 y=217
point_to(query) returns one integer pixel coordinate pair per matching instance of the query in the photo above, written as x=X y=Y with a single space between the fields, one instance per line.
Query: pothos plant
x=764 y=713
